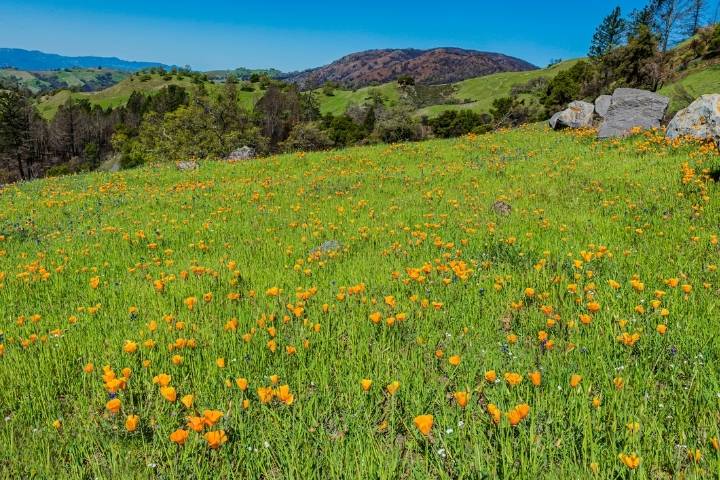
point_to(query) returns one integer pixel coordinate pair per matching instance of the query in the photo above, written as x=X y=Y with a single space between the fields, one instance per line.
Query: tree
x=306 y=137
x=668 y=13
x=565 y=87
x=696 y=17
x=608 y=35
x=640 y=65
x=16 y=114
x=714 y=45
x=406 y=81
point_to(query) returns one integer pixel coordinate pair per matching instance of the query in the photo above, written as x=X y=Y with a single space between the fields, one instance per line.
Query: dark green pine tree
x=608 y=35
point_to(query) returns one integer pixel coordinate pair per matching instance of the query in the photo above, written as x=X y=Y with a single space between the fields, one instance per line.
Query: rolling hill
x=119 y=94
x=435 y=66
x=79 y=79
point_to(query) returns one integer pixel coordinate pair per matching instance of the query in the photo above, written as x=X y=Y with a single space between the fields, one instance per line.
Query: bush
x=58 y=170
x=453 y=123
x=131 y=159
x=566 y=86
x=342 y=130
x=714 y=45
x=396 y=124
x=306 y=137
x=406 y=81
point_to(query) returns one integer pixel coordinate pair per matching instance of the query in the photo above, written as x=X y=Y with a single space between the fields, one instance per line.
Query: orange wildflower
x=424 y=423
x=179 y=436
x=216 y=439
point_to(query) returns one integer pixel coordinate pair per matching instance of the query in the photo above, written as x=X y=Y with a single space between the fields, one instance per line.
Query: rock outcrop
x=578 y=115
x=700 y=120
x=631 y=108
x=243 y=153
x=602 y=104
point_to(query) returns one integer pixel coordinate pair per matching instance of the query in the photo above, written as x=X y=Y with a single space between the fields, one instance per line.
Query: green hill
x=298 y=316
x=118 y=94
x=84 y=79
x=700 y=80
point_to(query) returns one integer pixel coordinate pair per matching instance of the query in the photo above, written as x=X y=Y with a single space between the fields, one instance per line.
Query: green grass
x=583 y=213
x=38 y=82
x=118 y=94
x=698 y=82
x=484 y=90
x=341 y=99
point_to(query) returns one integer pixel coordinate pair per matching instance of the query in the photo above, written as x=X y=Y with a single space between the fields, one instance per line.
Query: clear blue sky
x=297 y=35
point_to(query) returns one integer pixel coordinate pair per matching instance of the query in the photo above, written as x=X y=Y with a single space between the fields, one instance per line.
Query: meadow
x=522 y=304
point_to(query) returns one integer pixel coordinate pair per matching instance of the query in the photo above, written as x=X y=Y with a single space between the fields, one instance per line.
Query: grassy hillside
x=118 y=95
x=203 y=332
x=484 y=90
x=89 y=79
x=339 y=101
x=698 y=81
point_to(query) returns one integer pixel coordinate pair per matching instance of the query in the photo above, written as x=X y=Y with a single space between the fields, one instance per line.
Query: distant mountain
x=435 y=66
x=35 y=61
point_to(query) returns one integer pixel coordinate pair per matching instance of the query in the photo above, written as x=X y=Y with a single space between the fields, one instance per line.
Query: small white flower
x=441 y=452
x=266 y=444
x=449 y=431
x=461 y=424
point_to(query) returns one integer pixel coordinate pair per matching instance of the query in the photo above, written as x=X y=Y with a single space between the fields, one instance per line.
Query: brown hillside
x=439 y=65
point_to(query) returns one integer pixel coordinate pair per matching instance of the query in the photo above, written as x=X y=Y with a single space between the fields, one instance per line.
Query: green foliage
x=713 y=49
x=306 y=137
x=396 y=124
x=455 y=123
x=608 y=35
x=565 y=87
x=343 y=130
x=406 y=81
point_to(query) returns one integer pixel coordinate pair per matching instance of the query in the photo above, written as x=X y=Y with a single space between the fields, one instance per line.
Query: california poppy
x=216 y=438
x=131 y=423
x=179 y=436
x=424 y=423
x=113 y=406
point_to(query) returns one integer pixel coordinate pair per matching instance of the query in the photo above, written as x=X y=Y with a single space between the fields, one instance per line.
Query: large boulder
x=243 y=153
x=631 y=108
x=700 y=120
x=602 y=104
x=577 y=115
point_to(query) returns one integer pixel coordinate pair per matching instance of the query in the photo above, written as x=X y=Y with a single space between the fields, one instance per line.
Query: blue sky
x=297 y=35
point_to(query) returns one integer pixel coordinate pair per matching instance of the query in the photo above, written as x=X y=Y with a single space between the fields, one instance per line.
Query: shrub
x=714 y=45
x=306 y=137
x=453 y=123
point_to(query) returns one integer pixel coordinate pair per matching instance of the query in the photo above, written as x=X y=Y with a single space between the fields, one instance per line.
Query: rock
x=632 y=108
x=187 y=165
x=602 y=103
x=501 y=208
x=700 y=120
x=326 y=247
x=243 y=153
x=577 y=115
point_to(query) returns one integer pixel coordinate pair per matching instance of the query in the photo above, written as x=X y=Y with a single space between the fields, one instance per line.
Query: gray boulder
x=577 y=115
x=326 y=248
x=187 y=165
x=602 y=104
x=632 y=108
x=700 y=120
x=243 y=153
